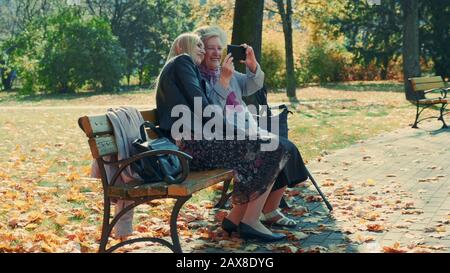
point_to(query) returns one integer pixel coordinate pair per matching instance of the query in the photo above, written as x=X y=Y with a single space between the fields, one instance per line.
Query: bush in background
x=273 y=65
x=79 y=52
x=321 y=64
x=64 y=52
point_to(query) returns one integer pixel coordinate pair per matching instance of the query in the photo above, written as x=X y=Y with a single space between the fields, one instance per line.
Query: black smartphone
x=238 y=52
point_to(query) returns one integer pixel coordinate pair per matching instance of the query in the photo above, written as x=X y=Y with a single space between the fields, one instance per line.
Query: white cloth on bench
x=125 y=122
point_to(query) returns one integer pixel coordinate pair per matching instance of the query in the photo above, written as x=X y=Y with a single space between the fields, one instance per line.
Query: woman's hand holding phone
x=226 y=71
x=244 y=54
x=250 y=60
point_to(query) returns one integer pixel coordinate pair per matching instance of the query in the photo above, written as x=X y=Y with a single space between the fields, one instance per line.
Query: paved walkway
x=390 y=194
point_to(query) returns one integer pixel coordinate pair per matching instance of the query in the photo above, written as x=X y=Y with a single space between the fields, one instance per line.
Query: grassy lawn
x=49 y=203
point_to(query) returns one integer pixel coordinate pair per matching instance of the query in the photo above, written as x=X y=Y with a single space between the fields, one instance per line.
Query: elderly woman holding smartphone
x=226 y=87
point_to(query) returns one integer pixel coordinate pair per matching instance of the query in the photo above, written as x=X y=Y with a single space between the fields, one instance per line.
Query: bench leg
x=108 y=226
x=441 y=116
x=173 y=223
x=105 y=225
x=417 y=117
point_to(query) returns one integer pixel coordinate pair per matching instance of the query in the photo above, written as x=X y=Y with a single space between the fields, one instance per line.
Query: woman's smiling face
x=213 y=56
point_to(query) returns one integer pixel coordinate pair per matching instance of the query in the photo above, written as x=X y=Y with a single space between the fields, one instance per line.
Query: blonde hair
x=207 y=32
x=184 y=43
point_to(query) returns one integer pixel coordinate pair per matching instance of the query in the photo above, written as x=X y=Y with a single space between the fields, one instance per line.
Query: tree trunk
x=286 y=18
x=384 y=68
x=141 y=76
x=411 y=65
x=247 y=27
x=128 y=78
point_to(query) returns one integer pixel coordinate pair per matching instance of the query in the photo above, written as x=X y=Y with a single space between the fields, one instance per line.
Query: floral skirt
x=254 y=170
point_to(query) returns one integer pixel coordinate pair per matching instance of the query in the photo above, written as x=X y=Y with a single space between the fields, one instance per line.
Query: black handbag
x=158 y=168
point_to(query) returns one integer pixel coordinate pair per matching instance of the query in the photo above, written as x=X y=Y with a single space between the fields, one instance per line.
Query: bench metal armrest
x=442 y=91
x=183 y=157
x=276 y=107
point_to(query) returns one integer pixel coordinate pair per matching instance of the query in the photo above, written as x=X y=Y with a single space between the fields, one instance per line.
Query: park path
x=391 y=192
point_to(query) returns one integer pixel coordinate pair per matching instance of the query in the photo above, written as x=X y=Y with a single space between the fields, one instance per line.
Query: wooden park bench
x=429 y=85
x=102 y=143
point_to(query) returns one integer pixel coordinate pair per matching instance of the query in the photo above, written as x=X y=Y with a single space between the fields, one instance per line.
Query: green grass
x=364 y=86
x=76 y=219
x=70 y=99
x=85 y=189
x=47 y=184
x=377 y=113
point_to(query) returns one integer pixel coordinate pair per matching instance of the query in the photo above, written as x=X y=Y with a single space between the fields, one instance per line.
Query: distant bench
x=429 y=85
x=102 y=143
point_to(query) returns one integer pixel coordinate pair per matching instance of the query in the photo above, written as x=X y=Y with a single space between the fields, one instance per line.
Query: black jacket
x=179 y=83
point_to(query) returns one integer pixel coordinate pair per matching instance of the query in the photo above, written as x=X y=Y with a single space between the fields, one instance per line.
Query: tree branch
x=272 y=10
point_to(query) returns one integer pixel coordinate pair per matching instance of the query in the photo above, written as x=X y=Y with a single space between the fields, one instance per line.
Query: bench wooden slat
x=427 y=83
x=95 y=125
x=149 y=190
x=199 y=180
x=138 y=189
x=101 y=146
x=100 y=124
x=432 y=101
x=428 y=86
x=426 y=79
x=194 y=182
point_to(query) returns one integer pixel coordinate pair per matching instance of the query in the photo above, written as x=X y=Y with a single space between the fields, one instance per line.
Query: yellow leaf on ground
x=86 y=170
x=375 y=227
x=396 y=248
x=47 y=248
x=364 y=239
x=3 y=175
x=73 y=176
x=21 y=205
x=440 y=229
x=371 y=182
x=31 y=226
x=43 y=170
x=61 y=220
x=372 y=216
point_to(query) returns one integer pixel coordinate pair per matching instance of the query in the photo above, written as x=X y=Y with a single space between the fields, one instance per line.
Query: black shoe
x=229 y=226
x=247 y=232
